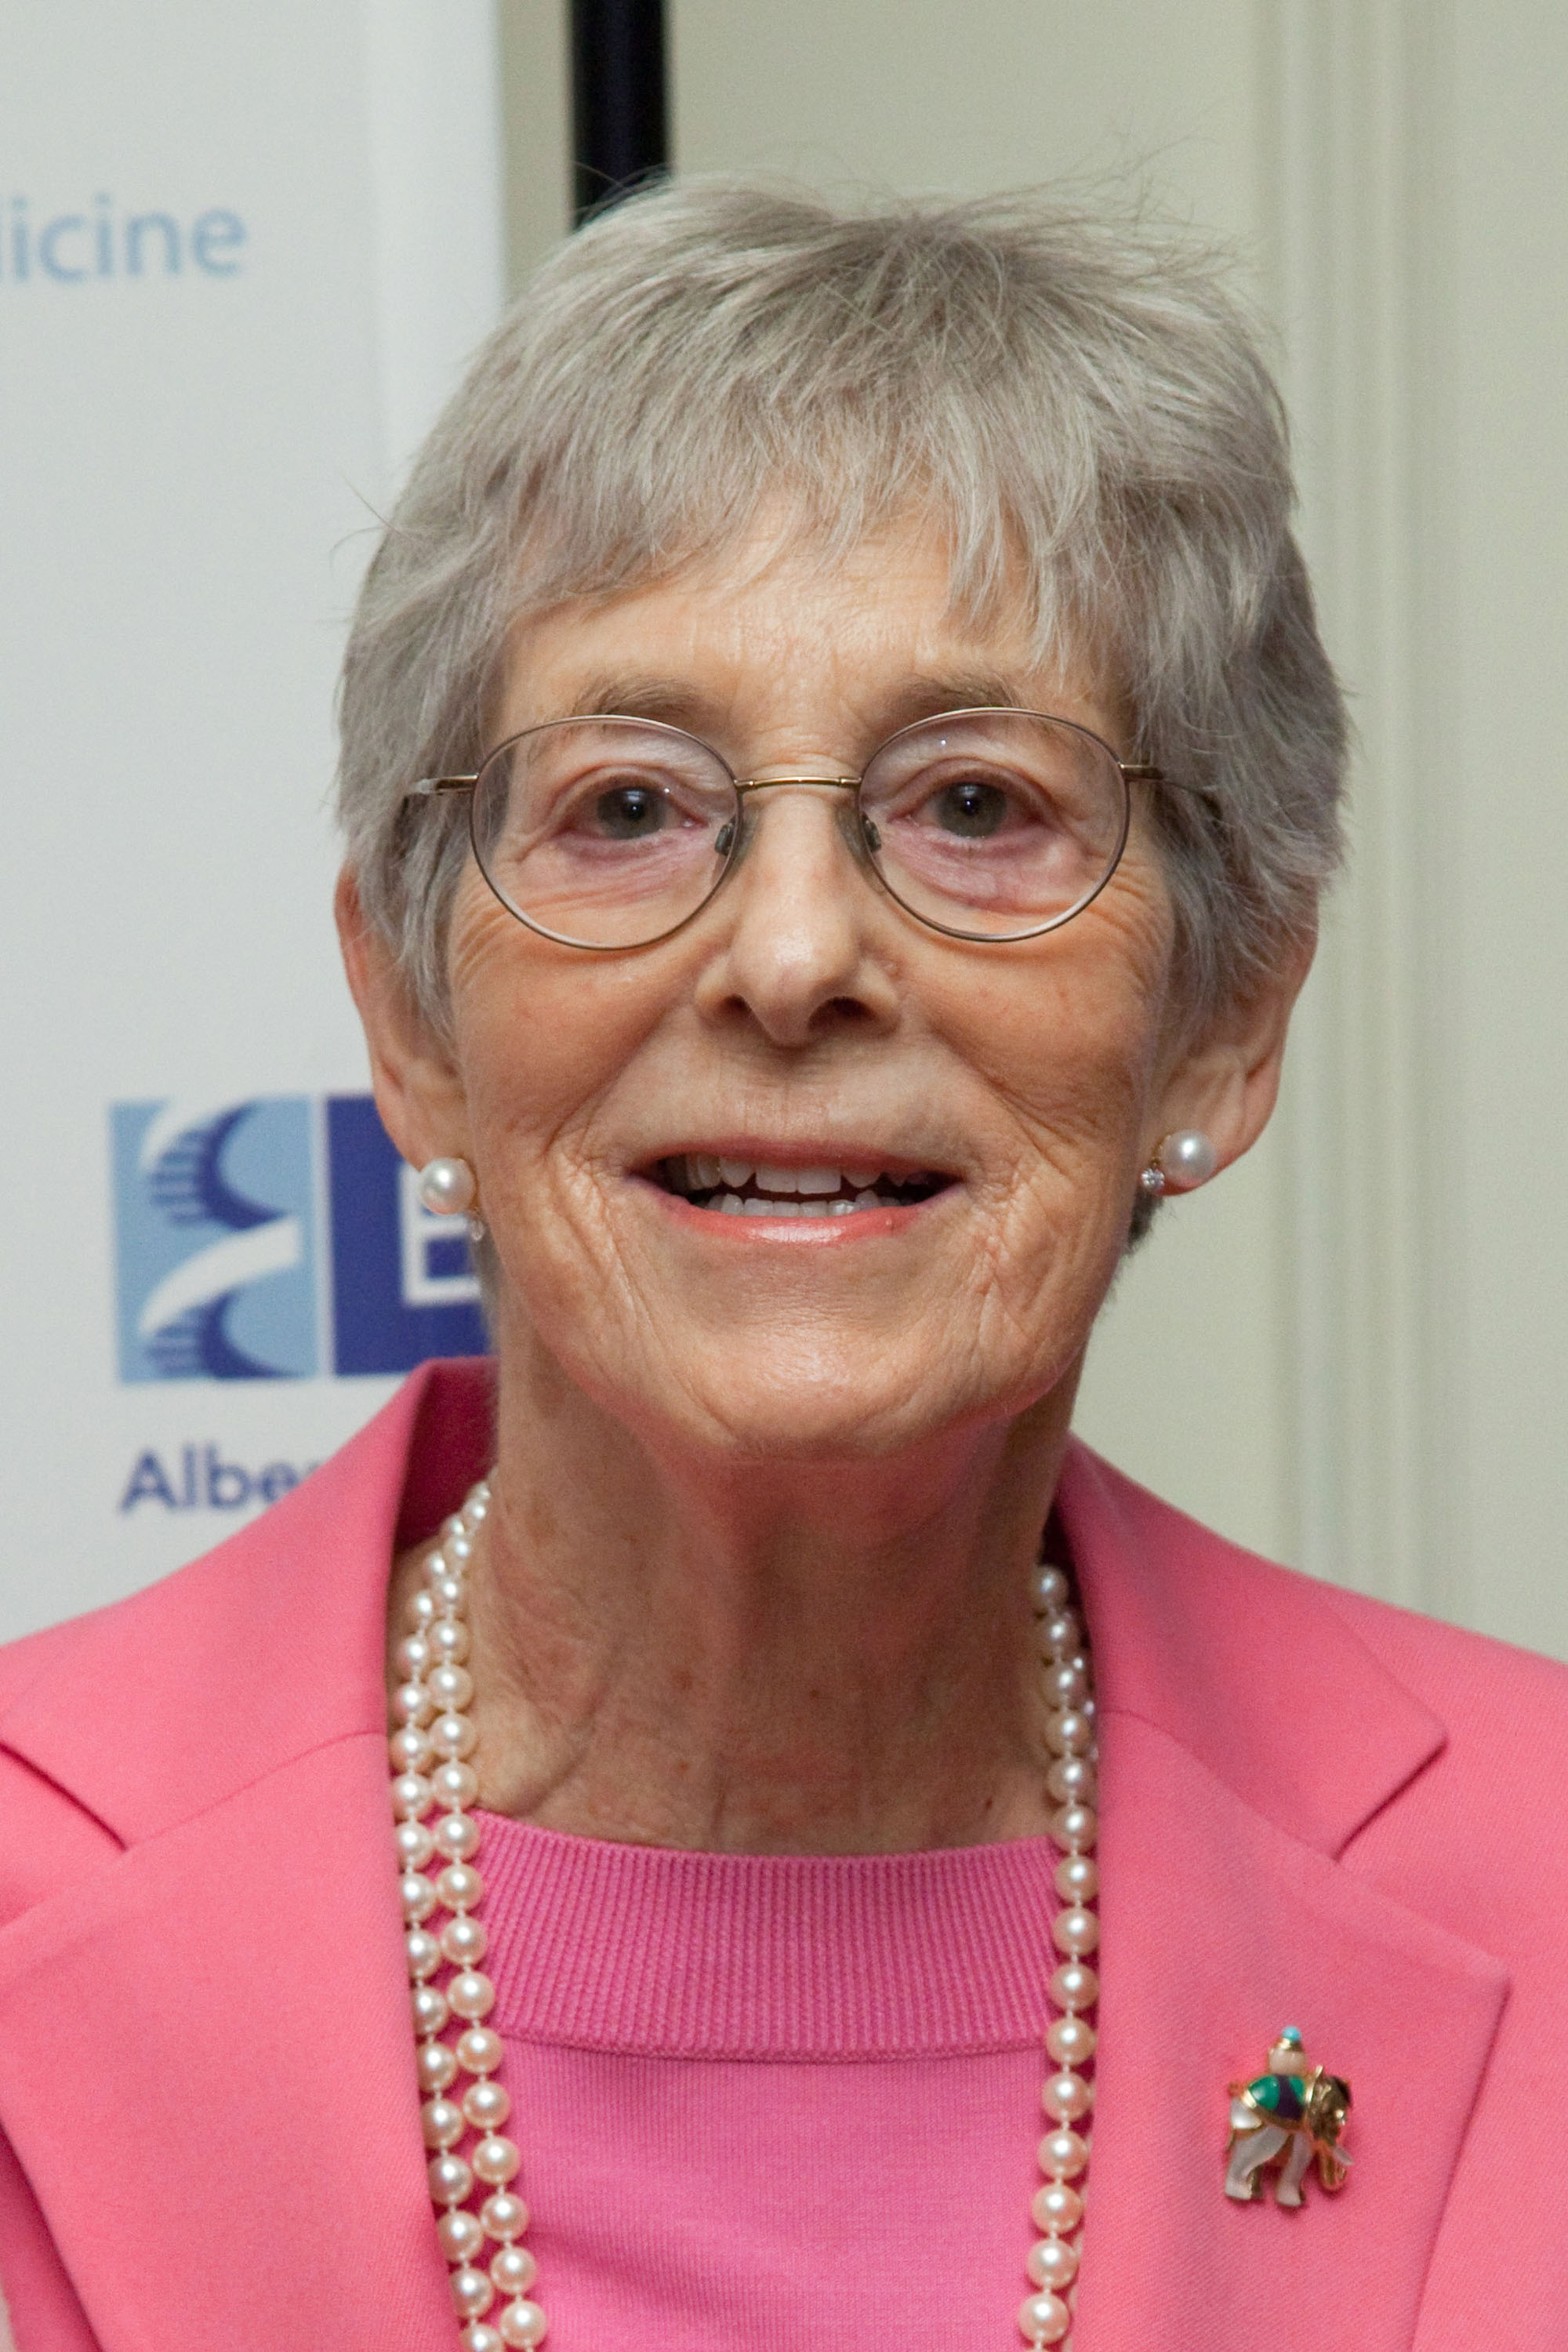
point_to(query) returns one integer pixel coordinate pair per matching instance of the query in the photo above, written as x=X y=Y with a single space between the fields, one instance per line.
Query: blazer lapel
x=1246 y=1733
x=205 y=2053
x=1218 y=1931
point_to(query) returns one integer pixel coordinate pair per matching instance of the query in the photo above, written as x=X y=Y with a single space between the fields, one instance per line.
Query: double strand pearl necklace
x=434 y=1790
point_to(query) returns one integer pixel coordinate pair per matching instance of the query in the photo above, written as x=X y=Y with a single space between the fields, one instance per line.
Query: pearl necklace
x=431 y=1746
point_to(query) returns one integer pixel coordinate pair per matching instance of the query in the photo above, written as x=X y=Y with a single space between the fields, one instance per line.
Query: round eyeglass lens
x=994 y=825
x=604 y=833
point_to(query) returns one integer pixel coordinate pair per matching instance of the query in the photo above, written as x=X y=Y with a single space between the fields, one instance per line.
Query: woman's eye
x=628 y=813
x=973 y=811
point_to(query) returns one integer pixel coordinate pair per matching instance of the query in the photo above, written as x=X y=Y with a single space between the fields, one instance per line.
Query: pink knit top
x=772 y=2103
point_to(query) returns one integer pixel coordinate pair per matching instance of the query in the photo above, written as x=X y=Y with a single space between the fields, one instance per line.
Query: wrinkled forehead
x=894 y=614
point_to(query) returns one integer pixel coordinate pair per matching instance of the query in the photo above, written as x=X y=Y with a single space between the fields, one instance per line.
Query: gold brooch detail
x=1286 y=2117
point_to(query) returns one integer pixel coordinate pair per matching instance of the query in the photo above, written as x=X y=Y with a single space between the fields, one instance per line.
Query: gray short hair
x=1080 y=400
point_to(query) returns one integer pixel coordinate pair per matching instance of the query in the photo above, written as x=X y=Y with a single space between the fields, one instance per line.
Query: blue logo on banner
x=223 y=1247
x=216 y=1277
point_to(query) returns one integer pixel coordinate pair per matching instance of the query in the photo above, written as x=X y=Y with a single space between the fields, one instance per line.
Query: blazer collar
x=242 y=1956
x=283 y=1628
x=1249 y=1667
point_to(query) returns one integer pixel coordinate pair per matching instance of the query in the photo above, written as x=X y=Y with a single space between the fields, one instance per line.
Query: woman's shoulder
x=1474 y=1678
x=1497 y=1782
x=122 y=1722
x=1469 y=1679
x=298 y=1582
x=1425 y=1756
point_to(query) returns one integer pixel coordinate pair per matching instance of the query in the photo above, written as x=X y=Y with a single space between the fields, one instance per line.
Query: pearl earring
x=1185 y=1160
x=447 y=1187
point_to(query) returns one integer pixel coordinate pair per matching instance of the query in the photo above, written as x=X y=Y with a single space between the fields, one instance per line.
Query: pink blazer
x=1315 y=1809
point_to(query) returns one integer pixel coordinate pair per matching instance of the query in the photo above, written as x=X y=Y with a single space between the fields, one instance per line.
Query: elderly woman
x=838 y=770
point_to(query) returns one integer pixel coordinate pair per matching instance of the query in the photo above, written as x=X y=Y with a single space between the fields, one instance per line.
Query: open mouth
x=736 y=1188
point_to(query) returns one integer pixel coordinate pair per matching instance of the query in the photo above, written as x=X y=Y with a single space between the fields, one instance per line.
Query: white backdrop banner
x=243 y=256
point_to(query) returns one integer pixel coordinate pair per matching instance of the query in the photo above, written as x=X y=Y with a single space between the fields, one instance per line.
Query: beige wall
x=1350 y=1350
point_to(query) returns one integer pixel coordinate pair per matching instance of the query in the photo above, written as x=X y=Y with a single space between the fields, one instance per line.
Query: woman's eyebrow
x=673 y=702
x=927 y=697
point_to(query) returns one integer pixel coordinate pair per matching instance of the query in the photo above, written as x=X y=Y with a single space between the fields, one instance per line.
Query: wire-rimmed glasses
x=608 y=831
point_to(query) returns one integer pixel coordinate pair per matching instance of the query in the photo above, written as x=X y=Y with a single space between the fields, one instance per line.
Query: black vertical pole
x=619 y=116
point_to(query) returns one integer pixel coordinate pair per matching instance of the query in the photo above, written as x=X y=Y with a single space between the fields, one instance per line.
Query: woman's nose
x=797 y=953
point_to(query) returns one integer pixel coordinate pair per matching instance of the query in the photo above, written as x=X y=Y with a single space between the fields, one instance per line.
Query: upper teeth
x=704 y=1174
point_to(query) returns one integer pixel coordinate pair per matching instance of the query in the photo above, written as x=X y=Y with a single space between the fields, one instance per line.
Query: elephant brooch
x=1293 y=2112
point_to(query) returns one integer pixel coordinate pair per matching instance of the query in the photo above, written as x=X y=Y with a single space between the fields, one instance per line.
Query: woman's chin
x=807 y=1427
x=752 y=1371
x=753 y=1404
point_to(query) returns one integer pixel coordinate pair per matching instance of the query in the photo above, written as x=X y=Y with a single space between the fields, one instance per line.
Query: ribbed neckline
x=767 y=1956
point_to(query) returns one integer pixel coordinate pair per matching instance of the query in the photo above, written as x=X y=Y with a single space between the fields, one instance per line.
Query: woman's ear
x=1225 y=1081
x=418 y=1091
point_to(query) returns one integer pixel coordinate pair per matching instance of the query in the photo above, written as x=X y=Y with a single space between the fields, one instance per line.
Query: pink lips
x=798 y=1232
x=785 y=1226
x=797 y=1195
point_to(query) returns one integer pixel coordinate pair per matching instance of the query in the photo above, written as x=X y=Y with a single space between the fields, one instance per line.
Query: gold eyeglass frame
x=861 y=844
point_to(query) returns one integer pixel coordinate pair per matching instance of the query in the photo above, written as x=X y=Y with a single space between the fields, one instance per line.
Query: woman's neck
x=756 y=1657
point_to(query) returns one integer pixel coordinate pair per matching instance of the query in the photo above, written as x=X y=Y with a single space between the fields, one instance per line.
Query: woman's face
x=803 y=1021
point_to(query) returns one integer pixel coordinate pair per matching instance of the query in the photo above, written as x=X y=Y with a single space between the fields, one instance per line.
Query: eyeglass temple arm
x=429 y=786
